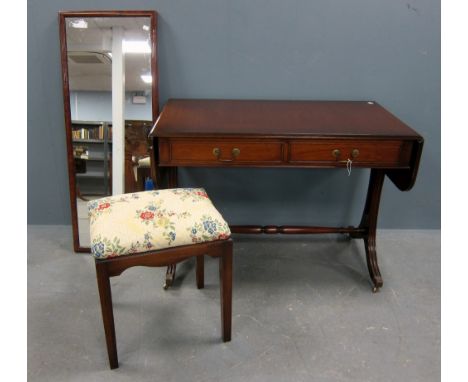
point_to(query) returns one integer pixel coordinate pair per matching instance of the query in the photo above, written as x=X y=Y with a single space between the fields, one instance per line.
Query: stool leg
x=107 y=313
x=200 y=271
x=225 y=278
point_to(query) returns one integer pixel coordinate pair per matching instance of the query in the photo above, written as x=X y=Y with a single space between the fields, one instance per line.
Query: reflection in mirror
x=109 y=88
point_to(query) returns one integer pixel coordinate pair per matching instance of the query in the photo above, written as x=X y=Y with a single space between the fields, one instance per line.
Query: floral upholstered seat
x=151 y=220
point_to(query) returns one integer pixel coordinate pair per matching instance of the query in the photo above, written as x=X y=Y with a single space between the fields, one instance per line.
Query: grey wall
x=388 y=51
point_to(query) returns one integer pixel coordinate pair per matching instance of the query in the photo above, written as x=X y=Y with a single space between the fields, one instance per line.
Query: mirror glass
x=111 y=108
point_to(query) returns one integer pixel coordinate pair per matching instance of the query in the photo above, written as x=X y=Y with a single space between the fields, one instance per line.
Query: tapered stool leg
x=225 y=278
x=107 y=314
x=200 y=273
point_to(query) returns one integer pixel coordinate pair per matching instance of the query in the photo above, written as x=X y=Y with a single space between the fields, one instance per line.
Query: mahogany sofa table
x=315 y=134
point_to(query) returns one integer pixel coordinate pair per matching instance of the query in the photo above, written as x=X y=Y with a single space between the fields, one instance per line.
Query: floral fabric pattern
x=151 y=220
x=196 y=194
x=207 y=228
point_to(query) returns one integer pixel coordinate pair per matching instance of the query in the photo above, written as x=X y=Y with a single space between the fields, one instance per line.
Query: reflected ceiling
x=89 y=58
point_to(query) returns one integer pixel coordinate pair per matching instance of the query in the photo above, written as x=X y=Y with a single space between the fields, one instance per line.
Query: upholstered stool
x=154 y=229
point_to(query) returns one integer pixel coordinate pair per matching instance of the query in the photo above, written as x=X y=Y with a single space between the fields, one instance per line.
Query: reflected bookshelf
x=92 y=148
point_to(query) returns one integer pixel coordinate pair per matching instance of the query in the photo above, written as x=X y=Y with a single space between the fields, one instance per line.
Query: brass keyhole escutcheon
x=336 y=153
x=355 y=153
x=235 y=152
x=216 y=152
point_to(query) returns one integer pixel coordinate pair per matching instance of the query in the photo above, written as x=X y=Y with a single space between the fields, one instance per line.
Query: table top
x=209 y=117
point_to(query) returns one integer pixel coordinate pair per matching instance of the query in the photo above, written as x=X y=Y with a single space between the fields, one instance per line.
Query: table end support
x=369 y=226
x=171 y=269
x=170 y=276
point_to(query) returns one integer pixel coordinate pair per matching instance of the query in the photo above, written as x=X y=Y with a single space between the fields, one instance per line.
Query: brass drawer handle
x=234 y=154
x=336 y=153
x=355 y=153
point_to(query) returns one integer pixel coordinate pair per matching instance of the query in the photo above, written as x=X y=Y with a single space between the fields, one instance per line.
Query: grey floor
x=302 y=311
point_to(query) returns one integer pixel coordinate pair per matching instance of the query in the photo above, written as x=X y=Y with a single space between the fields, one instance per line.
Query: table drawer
x=388 y=153
x=214 y=151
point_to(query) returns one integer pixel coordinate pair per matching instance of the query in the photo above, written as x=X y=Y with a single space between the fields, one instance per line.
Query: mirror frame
x=63 y=15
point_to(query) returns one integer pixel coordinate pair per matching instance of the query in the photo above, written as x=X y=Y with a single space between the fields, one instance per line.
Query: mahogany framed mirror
x=110 y=94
